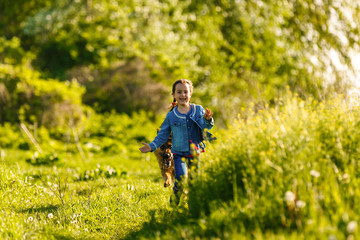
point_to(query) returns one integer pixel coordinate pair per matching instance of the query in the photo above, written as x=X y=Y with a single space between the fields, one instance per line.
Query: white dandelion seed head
x=50 y=215
x=332 y=237
x=351 y=227
x=30 y=219
x=314 y=173
x=300 y=204
x=289 y=196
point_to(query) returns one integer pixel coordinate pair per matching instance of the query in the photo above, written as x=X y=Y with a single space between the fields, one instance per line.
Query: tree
x=235 y=51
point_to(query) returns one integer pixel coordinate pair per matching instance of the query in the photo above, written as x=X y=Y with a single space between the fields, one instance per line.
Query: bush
x=125 y=87
x=25 y=96
x=43 y=159
x=126 y=128
x=10 y=136
x=292 y=166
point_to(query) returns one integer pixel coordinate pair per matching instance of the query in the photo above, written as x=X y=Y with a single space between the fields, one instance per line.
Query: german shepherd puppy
x=166 y=161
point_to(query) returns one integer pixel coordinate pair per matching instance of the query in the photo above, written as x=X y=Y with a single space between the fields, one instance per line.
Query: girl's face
x=182 y=94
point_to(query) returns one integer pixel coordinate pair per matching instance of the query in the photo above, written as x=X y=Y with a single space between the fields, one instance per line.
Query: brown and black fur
x=166 y=162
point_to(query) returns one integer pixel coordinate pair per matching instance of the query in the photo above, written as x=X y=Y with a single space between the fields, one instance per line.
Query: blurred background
x=62 y=59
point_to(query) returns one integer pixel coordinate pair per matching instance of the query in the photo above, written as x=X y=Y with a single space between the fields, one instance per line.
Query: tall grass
x=289 y=170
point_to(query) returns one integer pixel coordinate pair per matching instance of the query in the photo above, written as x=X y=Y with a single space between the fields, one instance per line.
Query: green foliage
x=236 y=52
x=43 y=159
x=25 y=96
x=125 y=87
x=123 y=127
x=10 y=136
x=290 y=167
x=13 y=14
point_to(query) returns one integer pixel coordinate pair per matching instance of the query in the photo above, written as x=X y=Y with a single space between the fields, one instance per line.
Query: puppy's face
x=166 y=153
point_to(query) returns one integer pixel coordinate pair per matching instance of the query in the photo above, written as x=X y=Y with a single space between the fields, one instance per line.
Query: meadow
x=288 y=171
x=83 y=83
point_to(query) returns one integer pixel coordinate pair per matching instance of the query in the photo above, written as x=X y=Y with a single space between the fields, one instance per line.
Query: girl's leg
x=180 y=175
x=180 y=171
x=181 y=165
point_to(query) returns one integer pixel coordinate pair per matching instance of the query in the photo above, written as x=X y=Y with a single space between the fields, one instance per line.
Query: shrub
x=125 y=87
x=43 y=159
x=25 y=96
x=10 y=136
x=292 y=166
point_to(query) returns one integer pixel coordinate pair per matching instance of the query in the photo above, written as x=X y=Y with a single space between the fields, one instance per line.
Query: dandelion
x=332 y=237
x=300 y=204
x=351 y=227
x=50 y=215
x=289 y=196
x=314 y=173
x=30 y=219
x=310 y=222
x=106 y=209
x=89 y=145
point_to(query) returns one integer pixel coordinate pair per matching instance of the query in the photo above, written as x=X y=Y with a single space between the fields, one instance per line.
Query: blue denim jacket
x=177 y=125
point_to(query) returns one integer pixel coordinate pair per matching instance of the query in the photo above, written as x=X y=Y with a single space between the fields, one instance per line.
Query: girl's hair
x=182 y=81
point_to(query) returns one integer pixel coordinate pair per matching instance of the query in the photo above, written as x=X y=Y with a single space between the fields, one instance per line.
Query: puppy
x=166 y=162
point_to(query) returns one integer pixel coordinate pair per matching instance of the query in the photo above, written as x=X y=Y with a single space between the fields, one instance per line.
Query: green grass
x=49 y=202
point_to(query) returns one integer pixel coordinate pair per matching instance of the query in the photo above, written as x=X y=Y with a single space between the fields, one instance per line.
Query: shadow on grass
x=161 y=223
x=42 y=209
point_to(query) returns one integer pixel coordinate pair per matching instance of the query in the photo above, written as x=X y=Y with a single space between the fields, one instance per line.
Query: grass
x=50 y=202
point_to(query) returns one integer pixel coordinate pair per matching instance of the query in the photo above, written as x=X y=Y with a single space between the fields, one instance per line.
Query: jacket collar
x=194 y=110
x=193 y=106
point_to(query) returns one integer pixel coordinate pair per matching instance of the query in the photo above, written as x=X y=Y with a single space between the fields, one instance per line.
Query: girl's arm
x=208 y=114
x=209 y=120
x=160 y=139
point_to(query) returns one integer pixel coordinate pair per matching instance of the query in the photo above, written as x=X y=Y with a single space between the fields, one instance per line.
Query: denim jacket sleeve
x=202 y=122
x=163 y=134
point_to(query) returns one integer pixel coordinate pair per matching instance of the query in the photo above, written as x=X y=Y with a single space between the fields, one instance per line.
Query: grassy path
x=49 y=202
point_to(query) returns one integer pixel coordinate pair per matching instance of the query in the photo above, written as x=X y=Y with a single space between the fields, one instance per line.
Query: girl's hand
x=208 y=114
x=146 y=148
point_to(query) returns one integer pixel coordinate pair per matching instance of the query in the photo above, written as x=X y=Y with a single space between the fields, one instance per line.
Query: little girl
x=186 y=122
